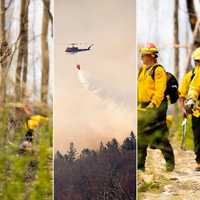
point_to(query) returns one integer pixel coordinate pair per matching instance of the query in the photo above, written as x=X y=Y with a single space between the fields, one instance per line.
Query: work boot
x=170 y=167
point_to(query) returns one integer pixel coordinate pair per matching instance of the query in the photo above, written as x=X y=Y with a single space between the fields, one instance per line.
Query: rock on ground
x=181 y=184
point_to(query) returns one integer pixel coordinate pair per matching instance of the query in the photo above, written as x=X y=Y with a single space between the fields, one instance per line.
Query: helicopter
x=75 y=49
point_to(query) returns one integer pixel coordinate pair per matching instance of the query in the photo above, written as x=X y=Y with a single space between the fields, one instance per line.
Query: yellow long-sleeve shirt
x=149 y=89
x=185 y=85
x=194 y=89
x=190 y=87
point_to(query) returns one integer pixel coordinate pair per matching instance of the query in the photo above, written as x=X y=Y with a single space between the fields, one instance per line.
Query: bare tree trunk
x=46 y=4
x=25 y=63
x=34 y=89
x=193 y=20
x=176 y=38
x=45 y=52
x=191 y=13
x=2 y=41
x=22 y=60
x=192 y=47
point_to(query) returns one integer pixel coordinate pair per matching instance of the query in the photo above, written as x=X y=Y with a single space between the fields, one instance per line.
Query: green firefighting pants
x=153 y=132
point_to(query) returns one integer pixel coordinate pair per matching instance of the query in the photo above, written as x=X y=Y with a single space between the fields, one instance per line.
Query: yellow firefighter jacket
x=35 y=121
x=190 y=87
x=149 y=89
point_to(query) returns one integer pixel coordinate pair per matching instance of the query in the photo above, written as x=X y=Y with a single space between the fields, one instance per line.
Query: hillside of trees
x=106 y=173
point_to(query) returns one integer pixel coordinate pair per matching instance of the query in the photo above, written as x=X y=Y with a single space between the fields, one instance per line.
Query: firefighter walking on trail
x=190 y=101
x=152 y=108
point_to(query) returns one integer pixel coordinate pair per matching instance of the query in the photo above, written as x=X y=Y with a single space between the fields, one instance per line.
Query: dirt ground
x=181 y=184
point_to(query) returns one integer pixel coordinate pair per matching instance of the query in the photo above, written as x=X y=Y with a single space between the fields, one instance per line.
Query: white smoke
x=116 y=96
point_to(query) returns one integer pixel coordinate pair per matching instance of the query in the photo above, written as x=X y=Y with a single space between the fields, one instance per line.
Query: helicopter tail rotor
x=90 y=46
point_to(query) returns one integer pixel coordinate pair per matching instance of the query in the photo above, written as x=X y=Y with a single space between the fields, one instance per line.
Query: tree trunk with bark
x=193 y=20
x=2 y=51
x=176 y=38
x=45 y=52
x=22 y=60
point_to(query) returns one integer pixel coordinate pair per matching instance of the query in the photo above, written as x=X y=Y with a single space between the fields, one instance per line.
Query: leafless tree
x=195 y=25
x=176 y=38
x=45 y=52
x=2 y=53
x=22 y=61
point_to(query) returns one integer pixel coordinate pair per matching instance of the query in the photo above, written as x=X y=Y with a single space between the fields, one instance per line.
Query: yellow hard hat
x=196 y=54
x=150 y=48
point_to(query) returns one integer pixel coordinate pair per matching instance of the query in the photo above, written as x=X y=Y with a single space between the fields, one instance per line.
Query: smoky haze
x=79 y=115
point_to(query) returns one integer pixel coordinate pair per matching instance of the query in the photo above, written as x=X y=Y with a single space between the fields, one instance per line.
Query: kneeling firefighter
x=190 y=101
x=32 y=122
x=154 y=87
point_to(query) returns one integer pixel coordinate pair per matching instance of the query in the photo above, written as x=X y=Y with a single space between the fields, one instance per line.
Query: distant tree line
x=107 y=173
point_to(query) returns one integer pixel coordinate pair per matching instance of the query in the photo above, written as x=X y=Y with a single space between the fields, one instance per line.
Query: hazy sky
x=79 y=115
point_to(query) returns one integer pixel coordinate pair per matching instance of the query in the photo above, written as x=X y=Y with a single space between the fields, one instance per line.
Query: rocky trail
x=181 y=184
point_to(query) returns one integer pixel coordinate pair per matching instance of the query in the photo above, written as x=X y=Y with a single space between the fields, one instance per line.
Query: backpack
x=172 y=85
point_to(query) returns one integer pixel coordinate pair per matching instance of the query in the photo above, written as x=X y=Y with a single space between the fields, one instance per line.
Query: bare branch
x=9 y=4
x=195 y=34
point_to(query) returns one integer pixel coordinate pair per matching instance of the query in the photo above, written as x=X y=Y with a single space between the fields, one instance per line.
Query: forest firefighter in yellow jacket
x=190 y=101
x=32 y=122
x=152 y=108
